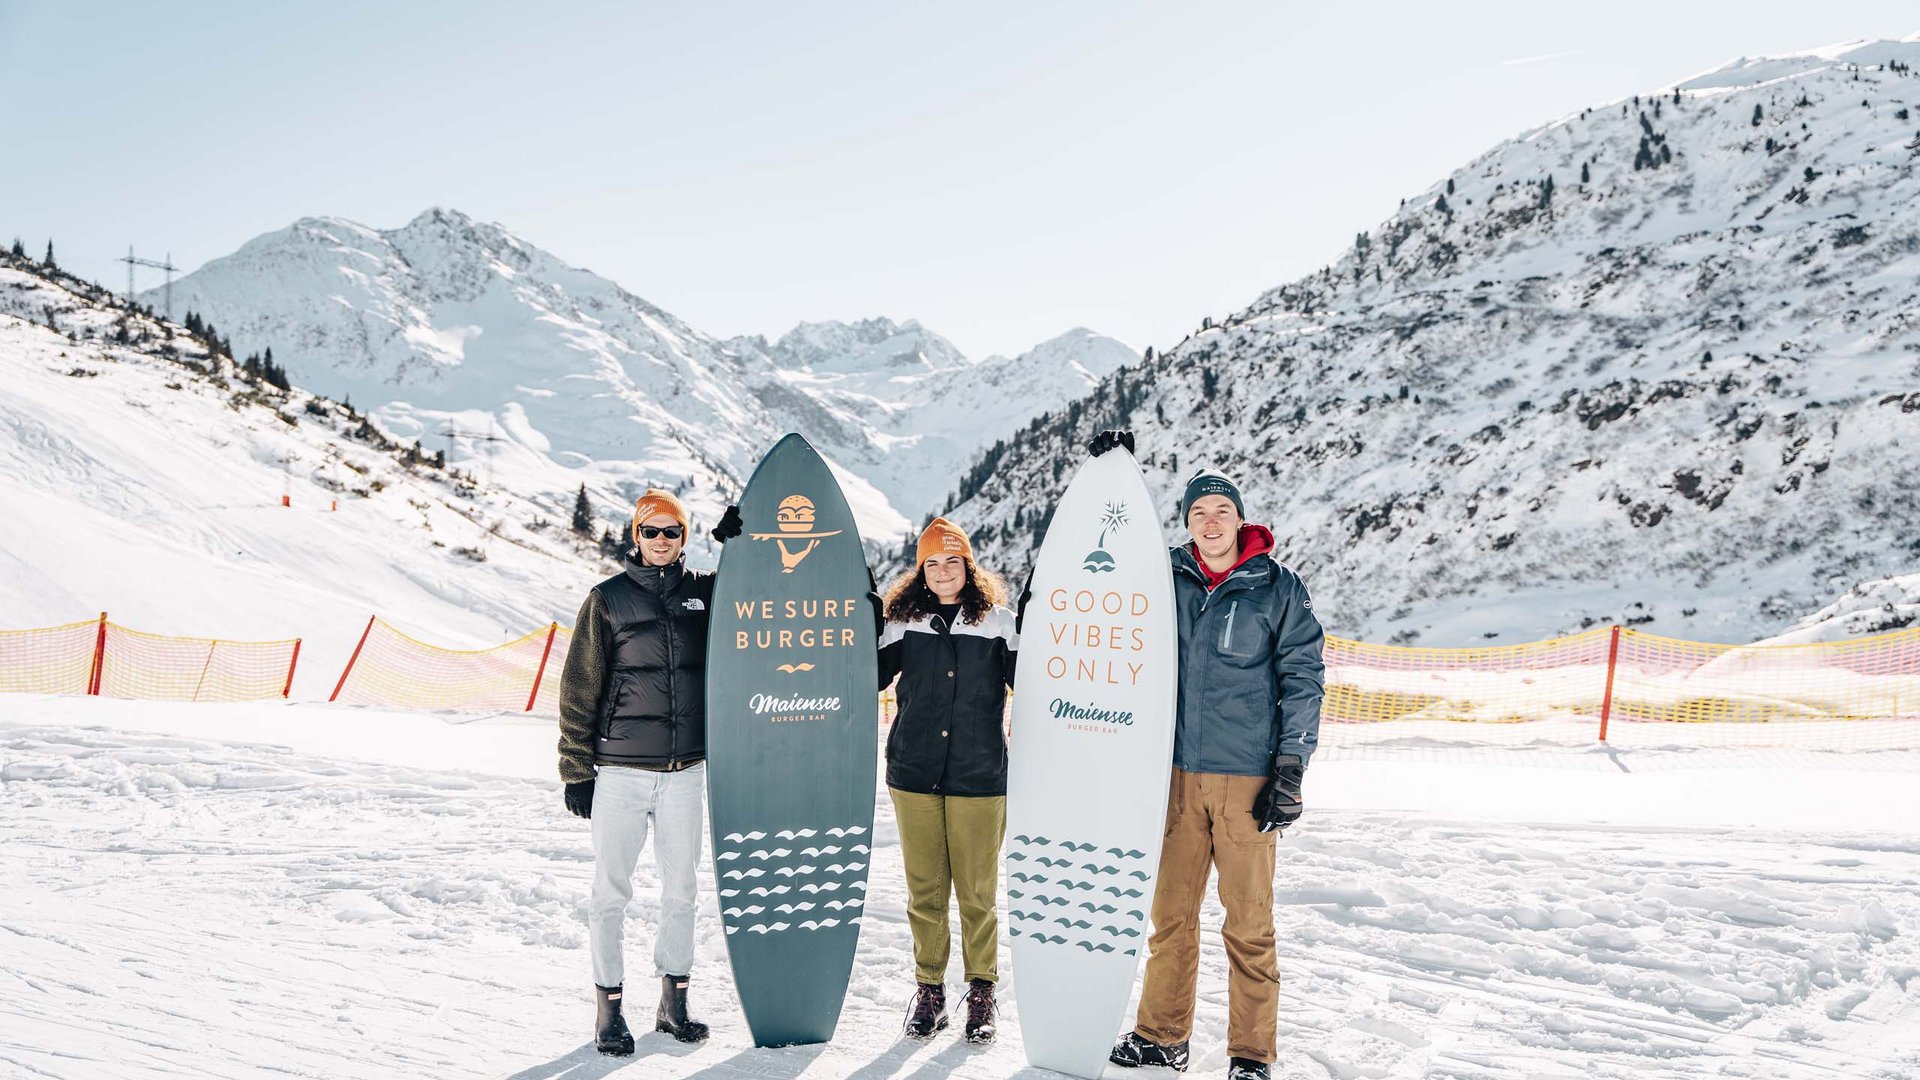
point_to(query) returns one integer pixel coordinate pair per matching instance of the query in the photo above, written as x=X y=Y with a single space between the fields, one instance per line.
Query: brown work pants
x=1210 y=824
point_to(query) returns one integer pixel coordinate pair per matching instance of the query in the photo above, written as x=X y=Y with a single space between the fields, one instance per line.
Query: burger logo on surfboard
x=794 y=521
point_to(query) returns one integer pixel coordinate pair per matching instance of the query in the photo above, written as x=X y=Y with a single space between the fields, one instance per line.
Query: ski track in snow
x=175 y=906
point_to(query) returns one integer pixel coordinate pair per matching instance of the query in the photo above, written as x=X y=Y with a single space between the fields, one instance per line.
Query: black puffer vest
x=654 y=712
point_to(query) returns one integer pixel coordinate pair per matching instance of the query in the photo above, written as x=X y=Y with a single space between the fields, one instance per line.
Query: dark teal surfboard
x=792 y=737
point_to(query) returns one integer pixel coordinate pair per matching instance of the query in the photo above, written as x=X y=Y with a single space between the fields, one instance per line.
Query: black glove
x=1278 y=804
x=580 y=798
x=1109 y=439
x=729 y=526
x=1020 y=610
x=879 y=615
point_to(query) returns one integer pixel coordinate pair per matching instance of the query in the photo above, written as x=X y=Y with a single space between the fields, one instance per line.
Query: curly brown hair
x=909 y=599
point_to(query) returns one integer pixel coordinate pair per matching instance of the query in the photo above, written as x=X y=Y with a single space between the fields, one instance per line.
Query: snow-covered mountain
x=448 y=325
x=1653 y=362
x=459 y=334
x=905 y=409
x=142 y=475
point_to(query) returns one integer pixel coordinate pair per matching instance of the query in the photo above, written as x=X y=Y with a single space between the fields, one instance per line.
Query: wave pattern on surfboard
x=1077 y=894
x=780 y=889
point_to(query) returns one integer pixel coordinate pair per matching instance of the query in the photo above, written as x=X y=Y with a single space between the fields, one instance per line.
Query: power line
x=167 y=265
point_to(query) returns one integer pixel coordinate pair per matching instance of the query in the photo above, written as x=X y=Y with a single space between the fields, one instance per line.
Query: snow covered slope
x=140 y=476
x=448 y=324
x=1654 y=362
x=306 y=891
x=1871 y=607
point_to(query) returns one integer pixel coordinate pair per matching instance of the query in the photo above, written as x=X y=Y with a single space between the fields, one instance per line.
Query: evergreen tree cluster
x=1654 y=151
x=203 y=331
x=582 y=513
x=415 y=454
x=258 y=368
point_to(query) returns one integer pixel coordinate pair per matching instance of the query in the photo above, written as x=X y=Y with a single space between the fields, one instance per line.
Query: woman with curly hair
x=951 y=641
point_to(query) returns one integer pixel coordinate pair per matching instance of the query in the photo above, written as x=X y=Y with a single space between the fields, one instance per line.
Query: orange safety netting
x=1858 y=694
x=1632 y=688
x=390 y=668
x=53 y=660
x=1642 y=690
x=1561 y=681
x=107 y=659
x=154 y=667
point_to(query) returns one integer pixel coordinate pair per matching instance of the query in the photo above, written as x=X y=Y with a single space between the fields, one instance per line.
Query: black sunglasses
x=671 y=532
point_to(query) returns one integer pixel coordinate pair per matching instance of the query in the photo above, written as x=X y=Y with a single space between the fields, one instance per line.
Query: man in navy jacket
x=1251 y=680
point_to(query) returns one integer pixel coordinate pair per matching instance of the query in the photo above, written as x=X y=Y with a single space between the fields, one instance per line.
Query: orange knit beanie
x=653 y=503
x=943 y=537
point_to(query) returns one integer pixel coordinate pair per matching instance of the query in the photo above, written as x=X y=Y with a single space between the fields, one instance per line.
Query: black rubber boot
x=610 y=1034
x=1247 y=1069
x=981 y=1013
x=672 y=1017
x=1132 y=1051
x=928 y=1013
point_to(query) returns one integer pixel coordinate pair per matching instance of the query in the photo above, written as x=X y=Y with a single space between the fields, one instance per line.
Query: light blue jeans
x=625 y=803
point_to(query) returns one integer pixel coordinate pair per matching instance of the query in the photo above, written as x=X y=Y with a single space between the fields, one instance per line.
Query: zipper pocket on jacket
x=1226 y=636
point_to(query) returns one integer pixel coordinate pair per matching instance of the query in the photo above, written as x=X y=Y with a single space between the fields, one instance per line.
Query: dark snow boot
x=928 y=1013
x=1132 y=1051
x=1246 y=1069
x=672 y=1018
x=610 y=1034
x=980 y=1013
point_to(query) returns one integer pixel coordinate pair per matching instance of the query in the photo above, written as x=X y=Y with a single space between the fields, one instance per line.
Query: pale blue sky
x=999 y=171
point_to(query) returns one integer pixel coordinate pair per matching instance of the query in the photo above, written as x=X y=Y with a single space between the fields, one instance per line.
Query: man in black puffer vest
x=633 y=750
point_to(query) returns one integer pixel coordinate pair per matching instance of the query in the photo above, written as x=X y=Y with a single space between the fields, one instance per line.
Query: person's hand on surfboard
x=730 y=525
x=1278 y=804
x=1109 y=439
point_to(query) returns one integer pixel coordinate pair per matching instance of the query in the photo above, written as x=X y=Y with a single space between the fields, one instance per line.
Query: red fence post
x=291 y=664
x=348 y=670
x=99 y=658
x=1606 y=701
x=552 y=629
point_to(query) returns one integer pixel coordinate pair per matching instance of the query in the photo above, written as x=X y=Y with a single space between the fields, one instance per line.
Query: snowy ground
x=328 y=892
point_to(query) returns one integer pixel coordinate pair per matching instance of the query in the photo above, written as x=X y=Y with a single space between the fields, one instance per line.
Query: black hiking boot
x=610 y=1034
x=981 y=1013
x=928 y=1013
x=672 y=1017
x=1132 y=1051
x=1246 y=1069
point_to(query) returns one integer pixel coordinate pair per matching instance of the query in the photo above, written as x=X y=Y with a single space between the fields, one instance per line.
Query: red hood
x=1254 y=540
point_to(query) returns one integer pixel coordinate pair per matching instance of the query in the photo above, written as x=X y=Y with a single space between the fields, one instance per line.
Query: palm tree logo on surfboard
x=1098 y=561
x=794 y=521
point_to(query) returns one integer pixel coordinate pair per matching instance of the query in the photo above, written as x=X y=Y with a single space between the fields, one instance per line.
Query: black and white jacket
x=948 y=737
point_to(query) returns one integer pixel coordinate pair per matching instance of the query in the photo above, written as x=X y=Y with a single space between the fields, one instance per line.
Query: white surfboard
x=1089 y=762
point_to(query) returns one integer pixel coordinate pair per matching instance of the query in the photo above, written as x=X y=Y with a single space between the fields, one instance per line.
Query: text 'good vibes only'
x=1097 y=634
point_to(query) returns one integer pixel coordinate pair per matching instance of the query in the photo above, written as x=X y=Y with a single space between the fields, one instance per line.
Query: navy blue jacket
x=1251 y=676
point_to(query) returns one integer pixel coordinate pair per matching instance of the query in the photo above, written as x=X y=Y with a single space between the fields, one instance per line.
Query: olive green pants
x=951 y=846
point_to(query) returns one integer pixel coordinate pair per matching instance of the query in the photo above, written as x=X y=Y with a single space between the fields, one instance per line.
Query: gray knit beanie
x=1211 y=482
